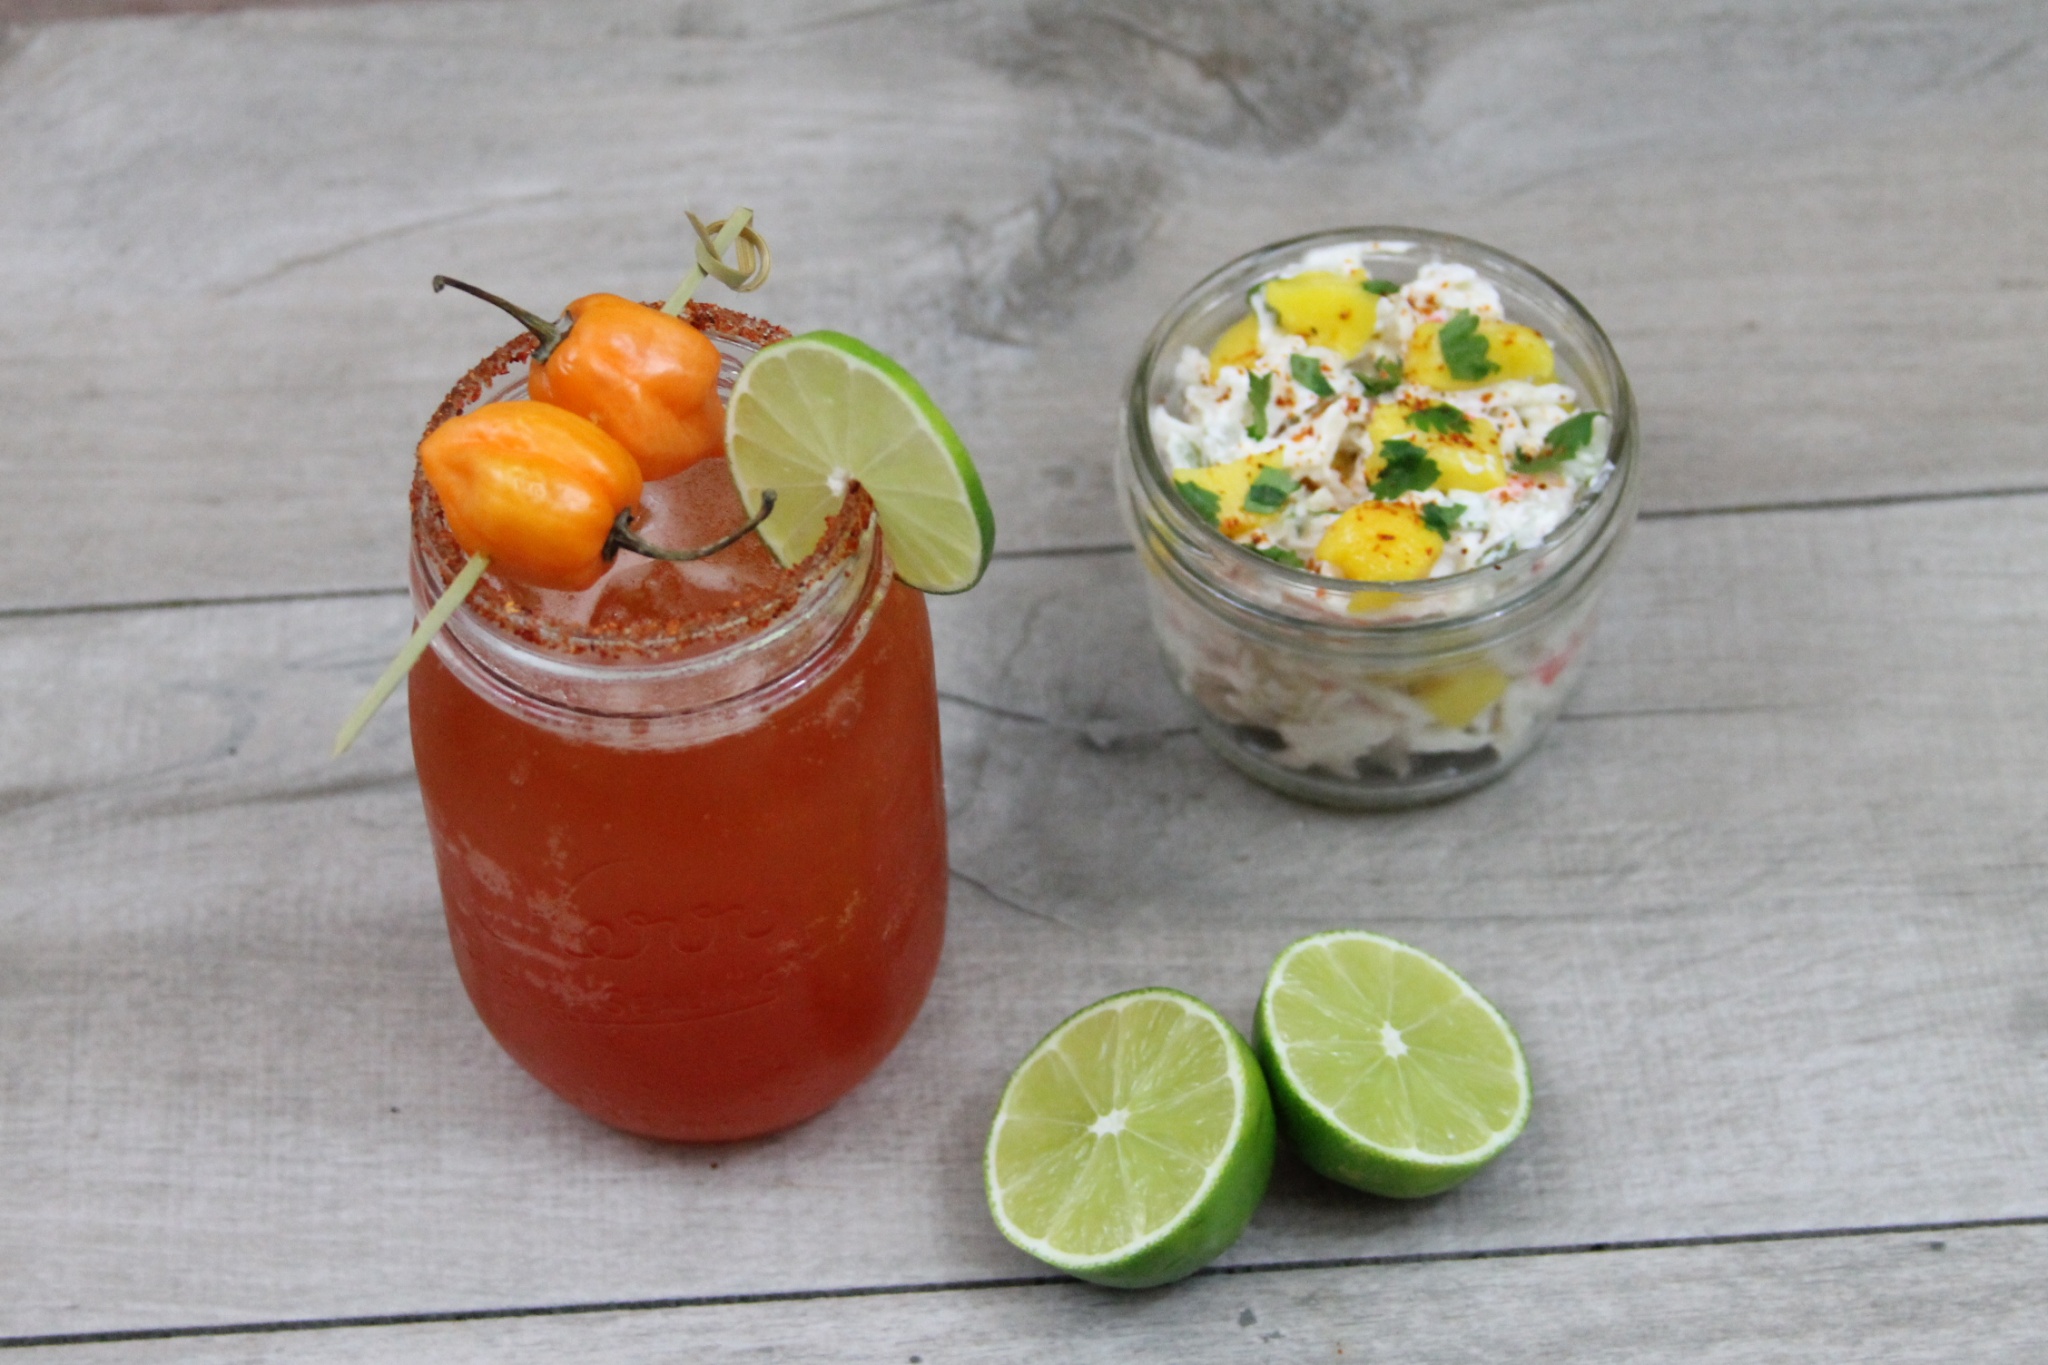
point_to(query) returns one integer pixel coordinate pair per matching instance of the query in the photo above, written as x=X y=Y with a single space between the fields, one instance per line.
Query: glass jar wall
x=1382 y=694
x=689 y=826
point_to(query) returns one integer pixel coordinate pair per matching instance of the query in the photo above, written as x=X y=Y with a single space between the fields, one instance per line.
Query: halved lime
x=1132 y=1145
x=1389 y=1073
x=813 y=415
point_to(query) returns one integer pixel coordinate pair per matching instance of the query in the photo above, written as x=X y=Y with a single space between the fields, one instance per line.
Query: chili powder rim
x=497 y=604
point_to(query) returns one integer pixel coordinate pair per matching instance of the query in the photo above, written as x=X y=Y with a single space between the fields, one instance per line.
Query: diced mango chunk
x=1456 y=699
x=1230 y=482
x=1239 y=345
x=1512 y=350
x=1470 y=458
x=1325 y=309
x=1380 y=542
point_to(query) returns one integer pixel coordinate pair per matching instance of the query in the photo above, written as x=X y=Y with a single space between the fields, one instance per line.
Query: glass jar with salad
x=1378 y=478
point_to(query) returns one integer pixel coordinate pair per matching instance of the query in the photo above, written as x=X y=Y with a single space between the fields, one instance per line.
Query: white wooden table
x=1767 y=907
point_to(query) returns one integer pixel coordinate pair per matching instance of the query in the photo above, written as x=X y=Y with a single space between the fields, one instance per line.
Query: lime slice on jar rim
x=1133 y=1143
x=811 y=416
x=1389 y=1073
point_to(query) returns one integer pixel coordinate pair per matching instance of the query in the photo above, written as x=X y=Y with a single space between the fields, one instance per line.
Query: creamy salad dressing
x=1323 y=443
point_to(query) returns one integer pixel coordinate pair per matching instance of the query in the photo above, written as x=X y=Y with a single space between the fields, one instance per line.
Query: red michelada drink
x=688 y=820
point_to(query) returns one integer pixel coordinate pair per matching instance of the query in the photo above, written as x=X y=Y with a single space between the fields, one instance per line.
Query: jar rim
x=504 y=613
x=1584 y=528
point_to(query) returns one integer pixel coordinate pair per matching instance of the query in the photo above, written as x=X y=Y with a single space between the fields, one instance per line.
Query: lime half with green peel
x=1132 y=1145
x=812 y=416
x=1389 y=1072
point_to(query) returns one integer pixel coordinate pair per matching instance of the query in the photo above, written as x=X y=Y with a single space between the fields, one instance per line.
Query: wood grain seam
x=1840 y=504
x=1875 y=500
x=1120 y=547
x=347 y=594
x=27 y=12
x=290 y=1325
x=1103 y=735
x=1000 y=899
x=989 y=708
x=1658 y=712
x=259 y=599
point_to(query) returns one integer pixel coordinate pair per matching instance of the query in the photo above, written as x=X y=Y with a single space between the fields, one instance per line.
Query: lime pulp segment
x=813 y=415
x=1133 y=1143
x=1389 y=1071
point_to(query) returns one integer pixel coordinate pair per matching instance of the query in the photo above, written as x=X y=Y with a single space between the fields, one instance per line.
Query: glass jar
x=1376 y=695
x=691 y=842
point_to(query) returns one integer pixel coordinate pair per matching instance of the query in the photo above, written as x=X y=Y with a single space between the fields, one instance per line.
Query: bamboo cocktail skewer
x=750 y=272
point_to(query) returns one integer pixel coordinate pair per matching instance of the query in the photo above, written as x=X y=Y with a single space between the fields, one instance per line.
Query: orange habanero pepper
x=536 y=488
x=648 y=379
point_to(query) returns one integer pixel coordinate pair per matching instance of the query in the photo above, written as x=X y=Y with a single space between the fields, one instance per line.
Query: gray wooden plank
x=1870 y=1300
x=45 y=11
x=1764 y=911
x=1811 y=232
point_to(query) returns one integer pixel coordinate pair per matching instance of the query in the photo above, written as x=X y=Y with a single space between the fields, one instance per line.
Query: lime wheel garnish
x=812 y=416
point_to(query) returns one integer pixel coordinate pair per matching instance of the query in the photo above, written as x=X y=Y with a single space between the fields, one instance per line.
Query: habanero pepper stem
x=550 y=333
x=643 y=374
x=622 y=537
x=750 y=274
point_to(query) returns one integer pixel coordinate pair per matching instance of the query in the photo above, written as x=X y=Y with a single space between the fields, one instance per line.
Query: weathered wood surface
x=1764 y=911
x=44 y=11
x=1922 y=1299
x=1813 y=233
x=1765 y=908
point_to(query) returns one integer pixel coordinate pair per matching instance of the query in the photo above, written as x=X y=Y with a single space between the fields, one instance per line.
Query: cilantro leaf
x=1380 y=287
x=1570 y=436
x=1309 y=374
x=1408 y=469
x=1270 y=491
x=1280 y=554
x=1440 y=418
x=1566 y=440
x=1442 y=517
x=1464 y=349
x=1207 y=504
x=1262 y=389
x=1385 y=376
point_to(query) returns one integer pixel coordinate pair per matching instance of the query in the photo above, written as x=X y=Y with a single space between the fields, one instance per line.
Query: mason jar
x=689 y=824
x=1376 y=695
